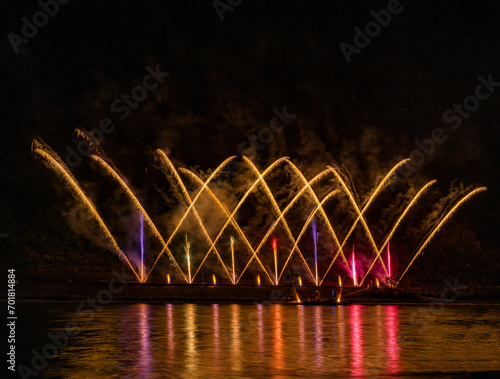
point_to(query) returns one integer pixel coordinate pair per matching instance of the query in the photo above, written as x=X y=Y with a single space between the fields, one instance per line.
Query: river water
x=162 y=340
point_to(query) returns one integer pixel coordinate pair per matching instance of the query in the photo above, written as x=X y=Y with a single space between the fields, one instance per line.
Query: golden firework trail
x=78 y=192
x=214 y=174
x=138 y=206
x=82 y=133
x=275 y=251
x=401 y=217
x=360 y=217
x=39 y=148
x=304 y=228
x=188 y=200
x=371 y=198
x=35 y=144
x=271 y=197
x=322 y=212
x=228 y=214
x=361 y=212
x=242 y=200
x=284 y=212
x=440 y=224
x=232 y=259
x=188 y=260
x=278 y=212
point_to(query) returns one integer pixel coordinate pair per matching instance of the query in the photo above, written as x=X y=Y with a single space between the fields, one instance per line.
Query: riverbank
x=77 y=291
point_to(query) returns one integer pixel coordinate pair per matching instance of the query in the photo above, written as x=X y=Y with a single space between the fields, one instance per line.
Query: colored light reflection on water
x=246 y=340
x=235 y=337
x=392 y=328
x=356 y=340
x=277 y=340
x=260 y=331
x=170 y=335
x=190 y=331
x=216 y=328
x=146 y=359
x=318 y=337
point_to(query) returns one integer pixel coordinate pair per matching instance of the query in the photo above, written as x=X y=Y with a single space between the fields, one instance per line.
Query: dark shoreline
x=227 y=293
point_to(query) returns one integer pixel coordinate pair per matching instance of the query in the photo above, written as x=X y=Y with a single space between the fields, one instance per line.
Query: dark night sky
x=225 y=79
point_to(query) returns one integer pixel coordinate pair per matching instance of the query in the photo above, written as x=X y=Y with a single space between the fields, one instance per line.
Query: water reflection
x=215 y=318
x=318 y=337
x=356 y=326
x=302 y=335
x=170 y=332
x=392 y=329
x=339 y=325
x=231 y=340
x=235 y=337
x=260 y=326
x=278 y=336
x=145 y=362
x=191 y=352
